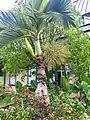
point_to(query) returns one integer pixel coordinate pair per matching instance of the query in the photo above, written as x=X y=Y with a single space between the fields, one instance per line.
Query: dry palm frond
x=55 y=53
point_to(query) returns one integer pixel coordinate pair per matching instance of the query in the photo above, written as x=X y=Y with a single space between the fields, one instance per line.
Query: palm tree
x=27 y=24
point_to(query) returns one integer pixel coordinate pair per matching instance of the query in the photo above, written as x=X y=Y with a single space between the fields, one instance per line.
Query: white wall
x=18 y=78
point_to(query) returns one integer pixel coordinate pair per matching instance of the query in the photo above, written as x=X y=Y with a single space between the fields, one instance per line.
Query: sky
x=6 y=4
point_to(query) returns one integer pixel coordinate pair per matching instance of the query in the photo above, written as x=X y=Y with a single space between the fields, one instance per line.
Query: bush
x=62 y=106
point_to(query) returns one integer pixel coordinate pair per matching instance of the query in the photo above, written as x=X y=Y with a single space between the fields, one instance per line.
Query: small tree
x=29 y=24
x=15 y=58
x=79 y=51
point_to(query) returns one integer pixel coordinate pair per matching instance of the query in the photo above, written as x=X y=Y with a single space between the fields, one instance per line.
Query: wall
x=22 y=77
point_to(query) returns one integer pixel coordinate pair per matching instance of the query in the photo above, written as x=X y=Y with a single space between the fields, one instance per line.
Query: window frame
x=10 y=77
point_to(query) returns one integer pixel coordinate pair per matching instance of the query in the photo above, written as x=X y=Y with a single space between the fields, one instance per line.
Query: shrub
x=25 y=107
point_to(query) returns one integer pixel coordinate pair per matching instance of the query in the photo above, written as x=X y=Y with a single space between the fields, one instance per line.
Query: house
x=25 y=77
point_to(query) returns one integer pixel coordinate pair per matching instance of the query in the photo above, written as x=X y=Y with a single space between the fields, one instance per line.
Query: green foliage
x=29 y=21
x=15 y=57
x=18 y=86
x=86 y=95
x=34 y=84
x=64 y=83
x=5 y=98
x=85 y=79
x=79 y=51
x=86 y=89
x=25 y=107
x=74 y=88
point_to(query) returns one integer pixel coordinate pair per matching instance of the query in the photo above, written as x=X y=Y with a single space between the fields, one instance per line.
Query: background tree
x=15 y=57
x=79 y=51
x=28 y=24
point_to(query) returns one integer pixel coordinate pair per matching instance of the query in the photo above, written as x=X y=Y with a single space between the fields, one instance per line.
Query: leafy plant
x=64 y=83
x=86 y=89
x=79 y=51
x=25 y=107
x=85 y=78
x=15 y=57
x=29 y=23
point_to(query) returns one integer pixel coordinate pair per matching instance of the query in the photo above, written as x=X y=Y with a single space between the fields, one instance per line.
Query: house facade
x=25 y=77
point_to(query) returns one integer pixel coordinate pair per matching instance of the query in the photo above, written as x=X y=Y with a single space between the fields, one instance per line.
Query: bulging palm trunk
x=41 y=93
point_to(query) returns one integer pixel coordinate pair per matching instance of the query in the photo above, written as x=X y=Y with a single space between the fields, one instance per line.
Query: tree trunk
x=41 y=93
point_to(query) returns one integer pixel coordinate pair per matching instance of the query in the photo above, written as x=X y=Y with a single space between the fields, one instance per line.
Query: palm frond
x=1 y=28
x=10 y=19
x=13 y=26
x=9 y=35
x=34 y=4
x=43 y=5
x=60 y=9
x=59 y=6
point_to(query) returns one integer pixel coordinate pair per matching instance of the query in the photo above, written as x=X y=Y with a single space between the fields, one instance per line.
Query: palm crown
x=32 y=18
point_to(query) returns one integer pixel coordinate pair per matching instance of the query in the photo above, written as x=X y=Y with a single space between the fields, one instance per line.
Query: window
x=12 y=80
x=31 y=75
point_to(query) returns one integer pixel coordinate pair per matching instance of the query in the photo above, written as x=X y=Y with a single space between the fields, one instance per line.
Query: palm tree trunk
x=41 y=93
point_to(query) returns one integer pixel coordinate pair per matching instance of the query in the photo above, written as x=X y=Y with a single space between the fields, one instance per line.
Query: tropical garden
x=46 y=34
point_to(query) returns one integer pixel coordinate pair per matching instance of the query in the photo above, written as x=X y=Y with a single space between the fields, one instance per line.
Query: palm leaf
x=1 y=28
x=60 y=9
x=9 y=35
x=38 y=5
x=43 y=5
x=34 y=4
x=10 y=19
x=59 y=6
x=13 y=26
